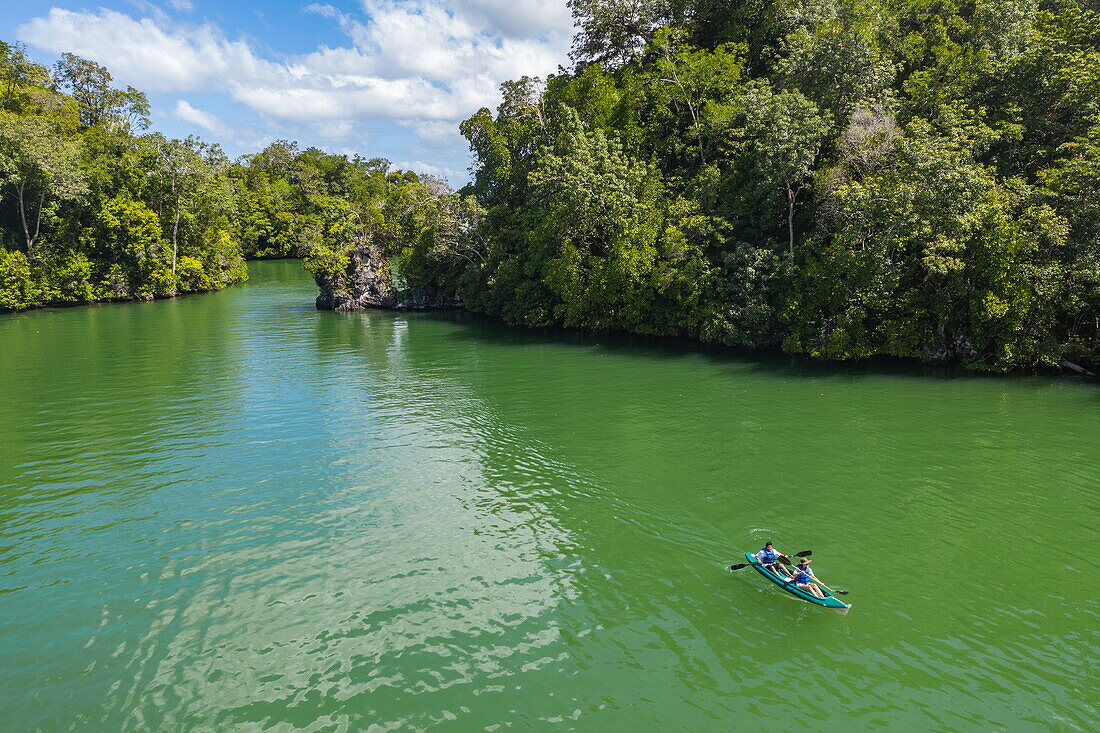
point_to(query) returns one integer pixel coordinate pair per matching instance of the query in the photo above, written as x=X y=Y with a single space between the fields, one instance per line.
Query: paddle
x=804 y=553
x=786 y=559
x=787 y=562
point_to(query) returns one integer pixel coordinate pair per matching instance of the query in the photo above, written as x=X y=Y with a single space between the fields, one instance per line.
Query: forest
x=905 y=178
x=93 y=207
x=912 y=178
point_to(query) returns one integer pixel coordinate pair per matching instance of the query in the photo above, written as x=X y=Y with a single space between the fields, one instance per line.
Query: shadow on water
x=490 y=329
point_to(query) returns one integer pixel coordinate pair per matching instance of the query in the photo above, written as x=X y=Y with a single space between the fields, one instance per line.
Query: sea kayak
x=829 y=601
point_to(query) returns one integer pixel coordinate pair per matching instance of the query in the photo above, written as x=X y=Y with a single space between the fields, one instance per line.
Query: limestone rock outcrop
x=368 y=282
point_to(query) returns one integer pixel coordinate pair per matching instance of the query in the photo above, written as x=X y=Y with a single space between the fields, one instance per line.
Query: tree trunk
x=175 y=229
x=791 y=196
x=175 y=224
x=691 y=107
x=30 y=238
x=23 y=218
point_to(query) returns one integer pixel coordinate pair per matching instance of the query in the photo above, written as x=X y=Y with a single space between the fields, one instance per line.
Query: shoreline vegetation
x=94 y=209
x=839 y=180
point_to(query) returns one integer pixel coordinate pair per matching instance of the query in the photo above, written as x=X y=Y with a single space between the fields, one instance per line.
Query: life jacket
x=770 y=556
x=802 y=575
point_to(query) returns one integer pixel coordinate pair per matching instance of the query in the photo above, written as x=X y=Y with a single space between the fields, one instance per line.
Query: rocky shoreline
x=368 y=282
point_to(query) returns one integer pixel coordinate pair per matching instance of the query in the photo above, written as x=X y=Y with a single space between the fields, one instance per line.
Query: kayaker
x=769 y=558
x=803 y=577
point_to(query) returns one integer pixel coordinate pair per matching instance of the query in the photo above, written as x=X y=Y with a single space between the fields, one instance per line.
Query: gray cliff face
x=368 y=283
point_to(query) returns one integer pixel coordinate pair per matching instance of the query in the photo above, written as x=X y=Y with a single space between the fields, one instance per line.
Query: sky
x=381 y=78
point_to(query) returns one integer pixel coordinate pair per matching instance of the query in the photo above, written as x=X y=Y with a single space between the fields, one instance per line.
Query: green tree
x=612 y=32
x=131 y=231
x=784 y=132
x=600 y=226
x=185 y=173
x=89 y=84
x=38 y=170
x=18 y=75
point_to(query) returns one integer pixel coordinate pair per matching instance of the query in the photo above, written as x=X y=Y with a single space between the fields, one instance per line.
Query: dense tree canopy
x=91 y=208
x=916 y=178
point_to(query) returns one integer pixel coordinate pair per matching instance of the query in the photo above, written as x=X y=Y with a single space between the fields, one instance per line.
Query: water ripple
x=234 y=512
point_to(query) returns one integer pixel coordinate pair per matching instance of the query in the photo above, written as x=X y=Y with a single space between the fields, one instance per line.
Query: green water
x=231 y=511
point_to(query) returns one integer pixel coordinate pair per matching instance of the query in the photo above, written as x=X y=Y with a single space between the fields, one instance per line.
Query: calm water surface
x=231 y=511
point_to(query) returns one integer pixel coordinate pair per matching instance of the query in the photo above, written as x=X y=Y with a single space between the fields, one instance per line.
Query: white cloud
x=184 y=6
x=339 y=130
x=439 y=132
x=142 y=53
x=425 y=64
x=522 y=18
x=449 y=41
x=211 y=123
x=335 y=99
x=243 y=138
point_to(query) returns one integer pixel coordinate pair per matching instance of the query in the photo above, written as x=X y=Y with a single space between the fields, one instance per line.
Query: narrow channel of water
x=231 y=511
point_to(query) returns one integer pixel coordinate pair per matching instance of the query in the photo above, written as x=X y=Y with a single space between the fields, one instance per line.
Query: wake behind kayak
x=829 y=601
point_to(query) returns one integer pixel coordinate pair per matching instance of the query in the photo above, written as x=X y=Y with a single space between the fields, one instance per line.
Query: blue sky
x=384 y=78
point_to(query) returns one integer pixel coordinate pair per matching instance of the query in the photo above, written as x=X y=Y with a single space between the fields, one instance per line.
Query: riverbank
x=238 y=278
x=26 y=285
x=145 y=298
x=367 y=280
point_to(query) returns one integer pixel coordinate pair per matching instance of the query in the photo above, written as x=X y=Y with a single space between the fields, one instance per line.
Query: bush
x=18 y=286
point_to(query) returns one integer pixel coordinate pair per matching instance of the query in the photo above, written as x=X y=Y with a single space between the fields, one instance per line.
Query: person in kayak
x=769 y=558
x=804 y=578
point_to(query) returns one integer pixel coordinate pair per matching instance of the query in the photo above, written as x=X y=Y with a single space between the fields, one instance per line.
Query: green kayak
x=830 y=601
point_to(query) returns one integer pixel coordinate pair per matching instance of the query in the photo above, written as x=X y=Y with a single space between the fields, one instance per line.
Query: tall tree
x=89 y=84
x=181 y=170
x=784 y=132
x=18 y=74
x=38 y=169
x=611 y=32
